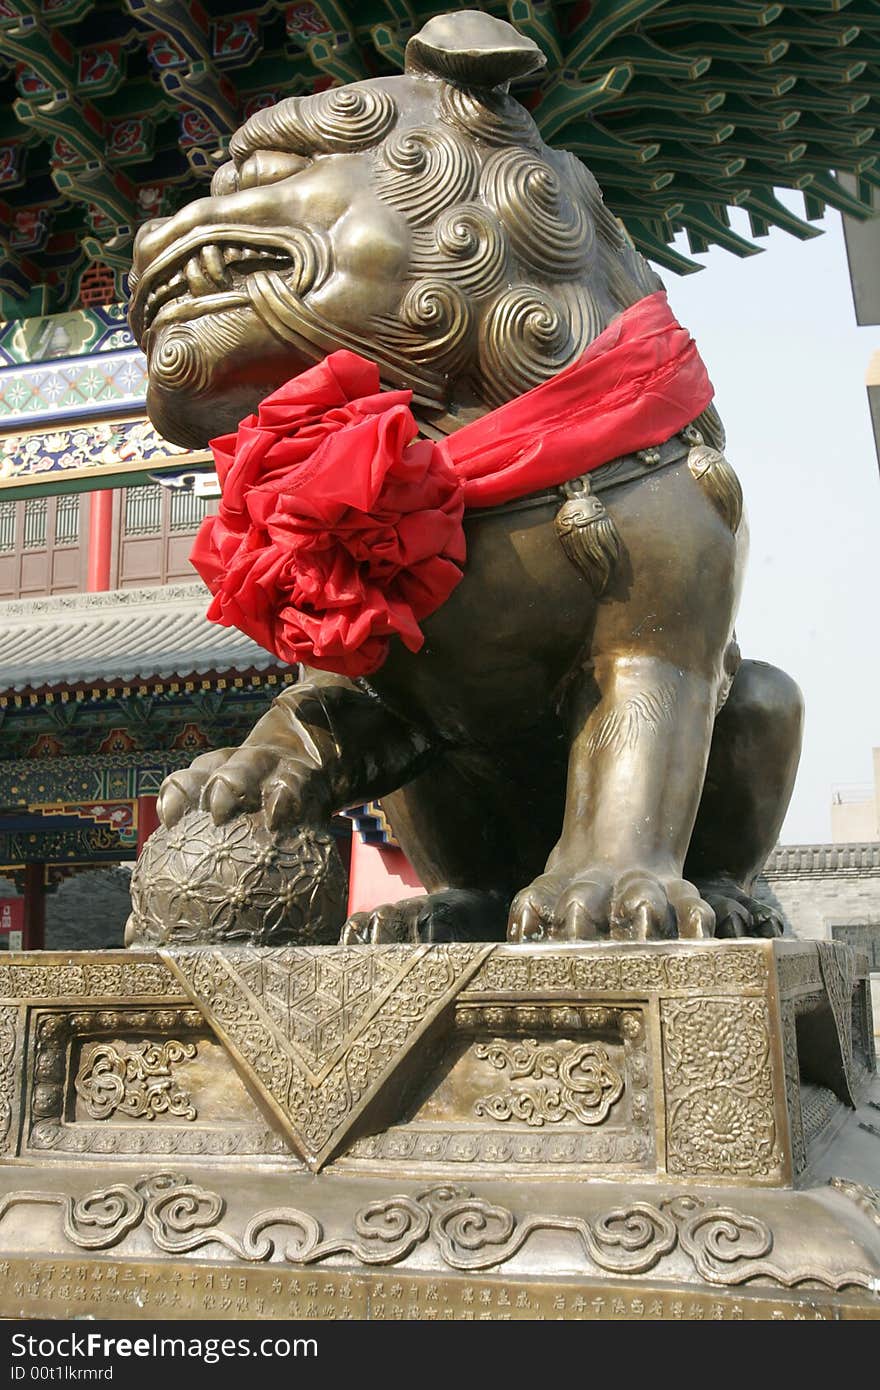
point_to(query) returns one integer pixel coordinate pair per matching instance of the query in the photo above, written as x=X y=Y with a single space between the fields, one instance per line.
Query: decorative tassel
x=588 y=535
x=721 y=485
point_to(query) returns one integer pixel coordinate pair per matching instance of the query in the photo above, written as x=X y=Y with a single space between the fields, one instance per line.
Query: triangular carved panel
x=318 y=1030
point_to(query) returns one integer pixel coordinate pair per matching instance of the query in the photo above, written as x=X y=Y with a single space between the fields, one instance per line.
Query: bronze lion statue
x=577 y=750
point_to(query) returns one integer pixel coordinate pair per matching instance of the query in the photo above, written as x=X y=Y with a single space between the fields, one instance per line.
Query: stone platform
x=594 y=1131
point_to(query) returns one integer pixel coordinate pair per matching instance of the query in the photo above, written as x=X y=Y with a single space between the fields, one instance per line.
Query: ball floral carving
x=239 y=883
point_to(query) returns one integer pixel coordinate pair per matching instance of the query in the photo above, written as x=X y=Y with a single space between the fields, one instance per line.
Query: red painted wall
x=379 y=874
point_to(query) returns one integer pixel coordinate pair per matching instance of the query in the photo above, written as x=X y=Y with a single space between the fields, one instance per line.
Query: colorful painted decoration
x=130 y=141
x=93 y=446
x=101 y=69
x=120 y=816
x=93 y=386
x=11 y=166
x=30 y=229
x=50 y=336
x=304 y=22
x=163 y=53
x=234 y=42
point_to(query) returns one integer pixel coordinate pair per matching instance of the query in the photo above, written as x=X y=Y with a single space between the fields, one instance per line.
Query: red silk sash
x=339 y=528
x=638 y=383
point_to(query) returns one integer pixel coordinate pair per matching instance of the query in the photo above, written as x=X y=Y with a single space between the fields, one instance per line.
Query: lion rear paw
x=456 y=914
x=739 y=914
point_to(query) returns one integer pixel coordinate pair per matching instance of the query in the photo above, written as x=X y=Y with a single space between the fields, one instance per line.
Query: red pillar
x=34 y=907
x=100 y=540
x=148 y=821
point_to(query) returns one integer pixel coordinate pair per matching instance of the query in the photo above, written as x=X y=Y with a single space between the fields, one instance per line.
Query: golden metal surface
x=576 y=752
x=449 y=1101
x=667 y=1060
x=340 y=1247
x=179 y=1290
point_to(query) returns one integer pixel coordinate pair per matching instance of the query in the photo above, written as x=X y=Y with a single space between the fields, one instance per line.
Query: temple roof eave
x=852 y=858
x=123 y=637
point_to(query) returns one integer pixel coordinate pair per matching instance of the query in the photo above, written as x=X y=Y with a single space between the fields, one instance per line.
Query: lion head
x=420 y=220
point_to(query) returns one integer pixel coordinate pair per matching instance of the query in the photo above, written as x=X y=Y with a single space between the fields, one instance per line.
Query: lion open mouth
x=206 y=273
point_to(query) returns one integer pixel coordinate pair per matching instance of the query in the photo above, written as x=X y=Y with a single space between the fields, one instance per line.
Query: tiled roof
x=799 y=861
x=125 y=635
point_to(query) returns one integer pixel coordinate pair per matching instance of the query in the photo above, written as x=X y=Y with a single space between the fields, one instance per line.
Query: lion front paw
x=632 y=905
x=286 y=786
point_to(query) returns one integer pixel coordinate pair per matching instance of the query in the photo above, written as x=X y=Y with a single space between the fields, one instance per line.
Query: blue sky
x=778 y=334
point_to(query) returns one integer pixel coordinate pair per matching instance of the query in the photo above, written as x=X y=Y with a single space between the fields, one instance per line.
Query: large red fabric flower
x=337 y=529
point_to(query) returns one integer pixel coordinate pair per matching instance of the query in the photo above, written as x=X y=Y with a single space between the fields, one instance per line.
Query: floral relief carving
x=236 y=884
x=91 y=981
x=798 y=970
x=793 y=1088
x=561 y=1082
x=320 y=1028
x=135 y=1079
x=719 y=1087
x=551 y=1138
x=744 y=966
x=8 y=1060
x=533 y=1148
x=53 y=1034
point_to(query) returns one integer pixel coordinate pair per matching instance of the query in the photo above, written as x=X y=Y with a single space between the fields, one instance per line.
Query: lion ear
x=472 y=49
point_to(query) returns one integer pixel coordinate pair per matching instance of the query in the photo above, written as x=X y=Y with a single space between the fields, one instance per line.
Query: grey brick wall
x=86 y=911
x=813 y=904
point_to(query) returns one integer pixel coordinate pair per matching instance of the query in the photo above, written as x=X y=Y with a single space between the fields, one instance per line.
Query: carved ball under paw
x=199 y=883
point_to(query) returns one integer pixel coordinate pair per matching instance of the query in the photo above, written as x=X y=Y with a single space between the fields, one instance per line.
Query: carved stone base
x=590 y=1131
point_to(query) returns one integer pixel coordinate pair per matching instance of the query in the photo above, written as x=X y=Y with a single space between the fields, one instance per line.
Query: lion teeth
x=198 y=281
x=207 y=270
x=211 y=262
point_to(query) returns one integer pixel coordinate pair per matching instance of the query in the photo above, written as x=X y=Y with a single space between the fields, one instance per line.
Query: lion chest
x=496 y=651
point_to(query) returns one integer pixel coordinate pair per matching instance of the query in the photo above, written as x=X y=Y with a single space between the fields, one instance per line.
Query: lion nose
x=155 y=238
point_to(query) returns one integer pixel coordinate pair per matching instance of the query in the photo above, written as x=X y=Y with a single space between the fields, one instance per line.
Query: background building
x=833 y=890
x=855 y=810
x=863 y=253
x=110 y=674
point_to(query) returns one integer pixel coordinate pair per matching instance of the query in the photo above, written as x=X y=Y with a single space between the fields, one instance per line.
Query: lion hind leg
x=753 y=762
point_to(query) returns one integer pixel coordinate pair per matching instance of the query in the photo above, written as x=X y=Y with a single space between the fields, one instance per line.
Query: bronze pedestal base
x=600 y=1131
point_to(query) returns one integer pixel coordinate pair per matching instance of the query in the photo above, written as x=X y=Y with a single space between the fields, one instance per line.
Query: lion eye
x=268 y=166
